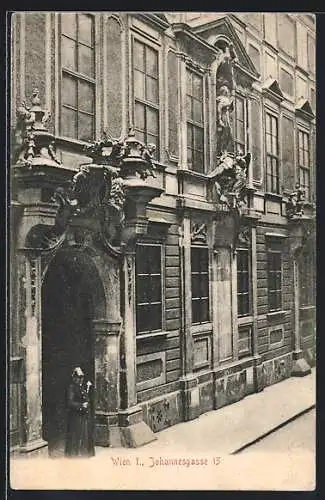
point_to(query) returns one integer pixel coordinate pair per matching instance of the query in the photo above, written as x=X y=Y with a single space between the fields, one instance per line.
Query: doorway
x=68 y=309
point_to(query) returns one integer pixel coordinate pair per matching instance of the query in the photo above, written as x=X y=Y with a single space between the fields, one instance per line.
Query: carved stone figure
x=230 y=178
x=224 y=88
x=296 y=202
x=225 y=106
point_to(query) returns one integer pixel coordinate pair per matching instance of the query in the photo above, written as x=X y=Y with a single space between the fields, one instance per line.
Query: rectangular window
x=200 y=284
x=255 y=56
x=243 y=281
x=272 y=154
x=274 y=278
x=240 y=125
x=195 y=126
x=148 y=288
x=286 y=82
x=304 y=162
x=286 y=34
x=245 y=341
x=311 y=53
x=146 y=94
x=77 y=76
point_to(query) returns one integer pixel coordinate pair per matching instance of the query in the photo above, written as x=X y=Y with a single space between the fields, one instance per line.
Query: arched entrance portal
x=72 y=297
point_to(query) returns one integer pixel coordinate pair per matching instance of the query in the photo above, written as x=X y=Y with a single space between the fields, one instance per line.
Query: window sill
x=192 y=173
x=75 y=144
x=276 y=315
x=245 y=320
x=149 y=335
x=274 y=196
x=201 y=328
x=307 y=308
x=201 y=366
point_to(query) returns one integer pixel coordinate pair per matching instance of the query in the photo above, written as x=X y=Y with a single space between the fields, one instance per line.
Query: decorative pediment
x=271 y=89
x=304 y=109
x=222 y=29
x=192 y=44
x=156 y=19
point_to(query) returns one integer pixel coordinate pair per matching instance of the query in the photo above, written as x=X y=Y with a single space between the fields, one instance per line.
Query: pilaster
x=189 y=382
x=31 y=340
x=132 y=430
x=107 y=361
x=300 y=366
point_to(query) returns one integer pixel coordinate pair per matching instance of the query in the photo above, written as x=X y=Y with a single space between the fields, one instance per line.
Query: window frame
x=271 y=250
x=249 y=282
x=143 y=333
x=303 y=169
x=77 y=76
x=207 y=298
x=195 y=125
x=244 y=99
x=144 y=101
x=271 y=155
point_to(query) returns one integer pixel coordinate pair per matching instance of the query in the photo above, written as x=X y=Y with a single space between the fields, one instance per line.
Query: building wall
x=281 y=48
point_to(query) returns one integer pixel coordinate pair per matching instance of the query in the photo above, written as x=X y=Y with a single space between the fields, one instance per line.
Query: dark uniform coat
x=79 y=437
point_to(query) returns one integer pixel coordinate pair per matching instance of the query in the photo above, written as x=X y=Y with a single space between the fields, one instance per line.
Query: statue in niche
x=225 y=84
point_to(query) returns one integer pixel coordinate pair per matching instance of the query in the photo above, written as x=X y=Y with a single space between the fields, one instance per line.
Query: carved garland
x=198 y=232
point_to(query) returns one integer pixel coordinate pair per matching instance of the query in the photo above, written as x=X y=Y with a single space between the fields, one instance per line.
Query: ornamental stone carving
x=100 y=189
x=34 y=145
x=230 y=180
x=296 y=202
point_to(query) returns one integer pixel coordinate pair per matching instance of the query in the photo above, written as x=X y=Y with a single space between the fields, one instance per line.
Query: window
x=146 y=94
x=255 y=56
x=311 y=53
x=243 y=281
x=245 y=341
x=78 y=76
x=307 y=279
x=304 y=162
x=195 y=127
x=272 y=155
x=286 y=34
x=200 y=284
x=270 y=30
x=274 y=278
x=286 y=82
x=239 y=124
x=148 y=288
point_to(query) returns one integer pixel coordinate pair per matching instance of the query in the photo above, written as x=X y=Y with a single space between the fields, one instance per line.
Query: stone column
x=258 y=367
x=189 y=381
x=224 y=303
x=31 y=340
x=107 y=362
x=133 y=431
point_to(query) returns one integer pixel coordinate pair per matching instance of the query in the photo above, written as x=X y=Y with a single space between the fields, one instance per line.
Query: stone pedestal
x=191 y=397
x=259 y=379
x=300 y=366
x=133 y=431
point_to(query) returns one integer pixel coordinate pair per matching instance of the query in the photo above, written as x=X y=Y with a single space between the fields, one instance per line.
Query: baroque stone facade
x=162 y=211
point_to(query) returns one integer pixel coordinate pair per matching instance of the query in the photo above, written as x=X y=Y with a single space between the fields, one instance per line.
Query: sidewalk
x=214 y=437
x=232 y=427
